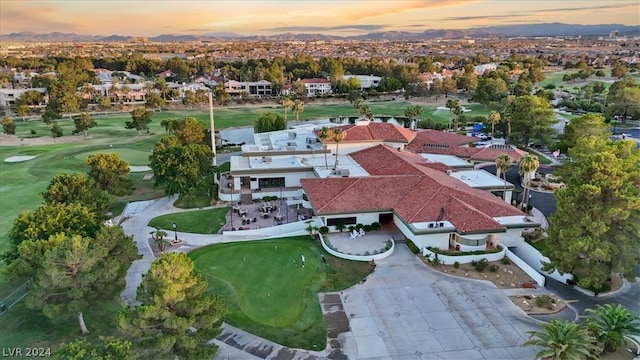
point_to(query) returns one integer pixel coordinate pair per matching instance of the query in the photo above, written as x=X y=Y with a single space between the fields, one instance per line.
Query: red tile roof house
x=364 y=134
x=430 y=207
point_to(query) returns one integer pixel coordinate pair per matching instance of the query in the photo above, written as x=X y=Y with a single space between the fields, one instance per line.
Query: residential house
x=8 y=96
x=367 y=82
x=317 y=86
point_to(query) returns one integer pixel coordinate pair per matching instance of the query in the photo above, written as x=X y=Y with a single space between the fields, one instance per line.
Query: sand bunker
x=134 y=168
x=14 y=159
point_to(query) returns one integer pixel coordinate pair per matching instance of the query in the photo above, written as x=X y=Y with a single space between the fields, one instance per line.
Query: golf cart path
x=233 y=343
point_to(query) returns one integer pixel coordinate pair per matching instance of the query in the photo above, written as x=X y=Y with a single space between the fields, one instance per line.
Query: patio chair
x=361 y=233
x=353 y=235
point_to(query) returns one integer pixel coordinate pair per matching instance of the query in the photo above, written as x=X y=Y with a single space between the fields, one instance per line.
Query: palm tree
x=527 y=167
x=324 y=135
x=503 y=164
x=610 y=323
x=286 y=104
x=494 y=119
x=562 y=340
x=454 y=106
x=338 y=136
x=297 y=108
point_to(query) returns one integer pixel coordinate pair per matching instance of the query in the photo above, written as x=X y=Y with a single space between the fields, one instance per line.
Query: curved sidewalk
x=233 y=342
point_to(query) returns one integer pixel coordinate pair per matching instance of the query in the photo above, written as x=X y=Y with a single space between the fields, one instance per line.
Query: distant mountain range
x=546 y=29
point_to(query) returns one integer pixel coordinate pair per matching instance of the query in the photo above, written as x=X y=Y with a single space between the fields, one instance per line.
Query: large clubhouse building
x=384 y=173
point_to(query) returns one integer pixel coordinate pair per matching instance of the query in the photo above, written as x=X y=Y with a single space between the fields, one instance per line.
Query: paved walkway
x=406 y=311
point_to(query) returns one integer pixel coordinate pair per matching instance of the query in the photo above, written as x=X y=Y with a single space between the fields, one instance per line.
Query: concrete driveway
x=406 y=311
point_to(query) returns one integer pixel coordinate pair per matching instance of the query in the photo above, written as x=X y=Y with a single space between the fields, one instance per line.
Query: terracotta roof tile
x=435 y=137
x=417 y=191
x=374 y=131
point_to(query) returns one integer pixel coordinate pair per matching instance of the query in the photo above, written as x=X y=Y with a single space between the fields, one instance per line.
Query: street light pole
x=175 y=231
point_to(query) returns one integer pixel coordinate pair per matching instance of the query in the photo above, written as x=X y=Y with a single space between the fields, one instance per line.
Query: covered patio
x=369 y=243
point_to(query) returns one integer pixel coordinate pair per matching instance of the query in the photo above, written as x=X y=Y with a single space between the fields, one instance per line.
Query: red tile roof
x=315 y=81
x=374 y=131
x=435 y=137
x=405 y=183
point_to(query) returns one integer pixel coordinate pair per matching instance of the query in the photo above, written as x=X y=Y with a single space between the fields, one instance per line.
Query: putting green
x=266 y=278
x=133 y=157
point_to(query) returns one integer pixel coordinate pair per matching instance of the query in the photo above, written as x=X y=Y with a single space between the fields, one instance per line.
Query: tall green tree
x=175 y=317
x=582 y=127
x=455 y=107
x=83 y=123
x=338 y=136
x=67 y=188
x=324 y=134
x=108 y=348
x=562 y=340
x=596 y=227
x=110 y=173
x=297 y=108
x=610 y=323
x=532 y=119
x=187 y=130
x=623 y=100
x=287 y=104
x=79 y=272
x=269 y=121
x=494 y=119
x=503 y=164
x=140 y=119
x=527 y=167
x=413 y=112
x=8 y=125
x=182 y=169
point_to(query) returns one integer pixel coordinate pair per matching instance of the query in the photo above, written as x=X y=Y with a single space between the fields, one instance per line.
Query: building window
x=346 y=220
x=271 y=182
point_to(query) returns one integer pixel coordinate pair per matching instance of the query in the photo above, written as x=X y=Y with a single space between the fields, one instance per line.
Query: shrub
x=33 y=131
x=366 y=228
x=375 y=226
x=494 y=267
x=340 y=226
x=505 y=261
x=456 y=264
x=359 y=226
x=545 y=301
x=388 y=245
x=324 y=229
x=480 y=265
x=351 y=228
x=414 y=249
x=435 y=262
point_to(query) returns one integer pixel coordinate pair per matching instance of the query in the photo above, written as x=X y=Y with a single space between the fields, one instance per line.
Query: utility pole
x=213 y=132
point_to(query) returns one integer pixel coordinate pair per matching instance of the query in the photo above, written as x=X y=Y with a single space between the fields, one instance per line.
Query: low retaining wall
x=464 y=259
x=533 y=273
x=291 y=229
x=357 y=257
x=534 y=258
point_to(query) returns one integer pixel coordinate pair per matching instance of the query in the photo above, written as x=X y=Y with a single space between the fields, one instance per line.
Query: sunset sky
x=266 y=17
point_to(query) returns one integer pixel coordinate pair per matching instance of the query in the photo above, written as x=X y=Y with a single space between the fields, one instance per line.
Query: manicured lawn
x=133 y=157
x=207 y=221
x=267 y=291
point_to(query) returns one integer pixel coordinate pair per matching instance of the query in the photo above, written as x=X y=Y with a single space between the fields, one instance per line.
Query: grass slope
x=267 y=291
x=207 y=221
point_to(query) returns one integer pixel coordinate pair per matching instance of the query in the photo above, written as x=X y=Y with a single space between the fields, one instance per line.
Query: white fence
x=357 y=257
x=285 y=230
x=464 y=259
x=533 y=273
x=534 y=258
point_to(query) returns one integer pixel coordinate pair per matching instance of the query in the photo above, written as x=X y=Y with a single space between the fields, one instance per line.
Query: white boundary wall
x=358 y=257
x=533 y=273
x=464 y=259
x=285 y=230
x=534 y=258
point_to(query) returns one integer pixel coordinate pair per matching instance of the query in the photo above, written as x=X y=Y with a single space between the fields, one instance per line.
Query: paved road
x=404 y=310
